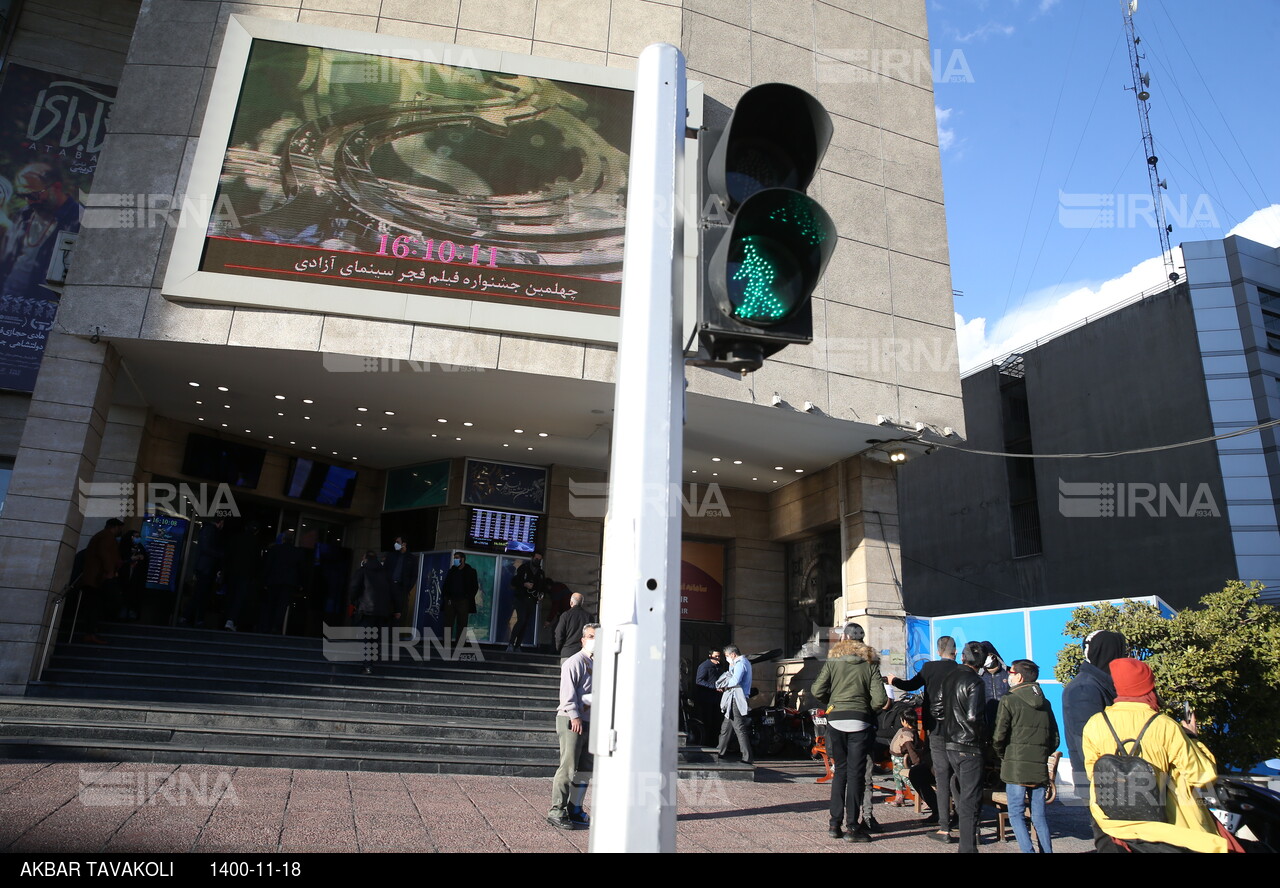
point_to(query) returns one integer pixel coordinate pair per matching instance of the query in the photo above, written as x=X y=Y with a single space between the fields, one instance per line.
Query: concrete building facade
x=114 y=400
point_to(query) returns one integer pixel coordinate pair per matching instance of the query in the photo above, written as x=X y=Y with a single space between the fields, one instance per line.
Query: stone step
x=267 y=721
x=340 y=699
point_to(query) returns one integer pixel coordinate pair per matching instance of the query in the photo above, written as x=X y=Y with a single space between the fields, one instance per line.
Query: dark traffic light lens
x=756 y=164
x=766 y=282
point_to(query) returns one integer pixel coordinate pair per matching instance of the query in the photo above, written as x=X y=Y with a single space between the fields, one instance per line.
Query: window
x=1270 y=316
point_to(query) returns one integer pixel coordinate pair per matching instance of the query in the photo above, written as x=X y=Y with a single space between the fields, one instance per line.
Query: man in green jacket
x=1026 y=735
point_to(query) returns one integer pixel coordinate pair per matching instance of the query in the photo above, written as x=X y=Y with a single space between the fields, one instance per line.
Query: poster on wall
x=51 y=132
x=498 y=485
x=431 y=609
x=701 y=581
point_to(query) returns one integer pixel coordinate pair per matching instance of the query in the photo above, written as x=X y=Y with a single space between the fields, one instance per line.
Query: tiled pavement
x=68 y=806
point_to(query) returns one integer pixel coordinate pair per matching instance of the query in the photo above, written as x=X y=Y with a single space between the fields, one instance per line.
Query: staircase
x=193 y=696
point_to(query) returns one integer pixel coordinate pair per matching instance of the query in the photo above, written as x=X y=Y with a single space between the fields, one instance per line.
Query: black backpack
x=1127 y=786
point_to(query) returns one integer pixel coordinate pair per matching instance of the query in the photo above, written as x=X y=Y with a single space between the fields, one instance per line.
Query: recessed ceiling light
x=755 y=479
x=278 y=413
x=715 y=459
x=313 y=447
x=389 y=412
x=355 y=457
x=227 y=406
x=695 y=471
x=199 y=402
x=223 y=388
x=713 y=474
x=359 y=425
x=271 y=436
x=306 y=417
x=777 y=468
x=506 y=445
x=468 y=424
x=528 y=448
x=384 y=428
x=518 y=431
x=307 y=401
x=457 y=439
x=201 y=418
x=335 y=453
x=434 y=435
x=224 y=425
x=194 y=384
x=363 y=409
x=737 y=462
x=542 y=434
x=293 y=442
x=442 y=420
x=798 y=471
x=247 y=432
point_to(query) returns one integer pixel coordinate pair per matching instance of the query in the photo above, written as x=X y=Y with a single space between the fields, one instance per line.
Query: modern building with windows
x=327 y=254
x=1194 y=361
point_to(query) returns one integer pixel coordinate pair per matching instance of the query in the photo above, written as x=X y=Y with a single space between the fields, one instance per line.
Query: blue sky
x=1038 y=134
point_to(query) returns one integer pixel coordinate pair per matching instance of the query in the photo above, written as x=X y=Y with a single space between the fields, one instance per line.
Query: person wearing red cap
x=1171 y=749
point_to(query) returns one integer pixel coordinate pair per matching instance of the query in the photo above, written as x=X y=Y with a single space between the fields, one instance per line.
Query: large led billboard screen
x=362 y=174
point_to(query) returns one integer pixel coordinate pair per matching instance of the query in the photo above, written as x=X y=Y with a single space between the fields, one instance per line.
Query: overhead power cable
x=1106 y=455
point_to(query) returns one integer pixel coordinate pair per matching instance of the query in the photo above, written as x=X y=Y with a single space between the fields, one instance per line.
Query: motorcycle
x=1249 y=812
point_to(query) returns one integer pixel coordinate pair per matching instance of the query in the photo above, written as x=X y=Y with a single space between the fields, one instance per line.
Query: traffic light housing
x=765 y=243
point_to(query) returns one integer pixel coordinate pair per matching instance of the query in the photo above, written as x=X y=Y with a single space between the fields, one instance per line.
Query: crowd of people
x=986 y=727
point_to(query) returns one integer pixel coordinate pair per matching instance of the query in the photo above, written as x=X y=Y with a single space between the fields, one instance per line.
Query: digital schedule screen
x=502 y=531
x=365 y=171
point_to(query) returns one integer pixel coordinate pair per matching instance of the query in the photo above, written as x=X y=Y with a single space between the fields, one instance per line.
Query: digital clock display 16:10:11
x=406 y=247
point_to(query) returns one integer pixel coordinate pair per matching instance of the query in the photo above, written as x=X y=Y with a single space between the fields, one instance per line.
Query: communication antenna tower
x=1141 y=88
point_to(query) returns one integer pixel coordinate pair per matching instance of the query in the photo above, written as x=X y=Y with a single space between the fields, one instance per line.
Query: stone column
x=42 y=521
x=873 y=557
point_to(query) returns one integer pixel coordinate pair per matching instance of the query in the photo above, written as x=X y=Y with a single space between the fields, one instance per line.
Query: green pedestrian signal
x=765 y=243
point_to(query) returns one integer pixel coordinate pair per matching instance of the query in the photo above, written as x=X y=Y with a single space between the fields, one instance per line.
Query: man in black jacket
x=530 y=584
x=964 y=701
x=930 y=677
x=568 y=631
x=460 y=586
x=1090 y=692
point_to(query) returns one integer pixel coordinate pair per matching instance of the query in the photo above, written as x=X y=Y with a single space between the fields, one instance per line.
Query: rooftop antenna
x=1141 y=88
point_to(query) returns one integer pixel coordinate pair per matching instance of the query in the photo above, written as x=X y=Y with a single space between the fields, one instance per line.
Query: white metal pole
x=633 y=723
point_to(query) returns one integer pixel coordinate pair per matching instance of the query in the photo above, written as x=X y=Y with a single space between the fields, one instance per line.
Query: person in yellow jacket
x=1170 y=749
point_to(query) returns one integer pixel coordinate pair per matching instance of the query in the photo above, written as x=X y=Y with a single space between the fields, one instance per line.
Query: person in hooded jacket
x=851 y=689
x=1026 y=735
x=1090 y=692
x=995 y=680
x=1173 y=751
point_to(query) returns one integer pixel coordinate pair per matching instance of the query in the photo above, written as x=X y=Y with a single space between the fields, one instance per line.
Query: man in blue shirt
x=735 y=687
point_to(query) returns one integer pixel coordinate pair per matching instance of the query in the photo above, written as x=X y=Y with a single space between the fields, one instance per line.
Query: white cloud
x=987 y=30
x=946 y=137
x=1050 y=310
x=1263 y=227
x=1046 y=5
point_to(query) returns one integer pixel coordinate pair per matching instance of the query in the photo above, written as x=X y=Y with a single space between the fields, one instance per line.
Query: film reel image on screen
x=462 y=167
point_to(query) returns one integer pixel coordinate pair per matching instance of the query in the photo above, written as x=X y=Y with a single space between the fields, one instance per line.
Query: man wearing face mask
x=573 y=730
x=402 y=569
x=459 y=587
